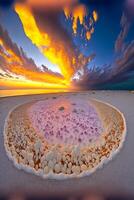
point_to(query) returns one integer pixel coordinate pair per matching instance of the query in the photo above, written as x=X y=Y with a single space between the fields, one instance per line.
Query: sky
x=87 y=44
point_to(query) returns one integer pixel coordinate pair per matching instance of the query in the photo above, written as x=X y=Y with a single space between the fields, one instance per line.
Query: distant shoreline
x=27 y=92
x=9 y=93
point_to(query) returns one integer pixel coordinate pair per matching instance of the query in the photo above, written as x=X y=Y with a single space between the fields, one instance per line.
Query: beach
x=114 y=178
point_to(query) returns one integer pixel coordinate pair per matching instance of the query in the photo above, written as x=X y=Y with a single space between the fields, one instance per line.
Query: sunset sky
x=73 y=44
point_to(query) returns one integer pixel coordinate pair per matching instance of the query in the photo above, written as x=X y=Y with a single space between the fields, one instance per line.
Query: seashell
x=37 y=145
x=57 y=168
x=49 y=156
x=68 y=171
x=83 y=167
x=50 y=164
x=69 y=165
x=76 y=169
x=31 y=163
x=46 y=170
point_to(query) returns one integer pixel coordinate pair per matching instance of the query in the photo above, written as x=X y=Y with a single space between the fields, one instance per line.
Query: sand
x=115 y=176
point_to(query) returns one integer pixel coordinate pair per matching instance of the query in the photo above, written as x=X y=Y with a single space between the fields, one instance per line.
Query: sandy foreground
x=117 y=177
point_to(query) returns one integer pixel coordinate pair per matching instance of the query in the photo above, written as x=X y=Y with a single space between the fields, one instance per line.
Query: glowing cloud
x=78 y=14
x=95 y=16
x=14 y=61
x=50 y=4
x=55 y=51
x=42 y=26
x=45 y=31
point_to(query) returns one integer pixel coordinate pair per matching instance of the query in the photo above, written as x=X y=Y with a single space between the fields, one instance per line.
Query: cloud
x=125 y=25
x=45 y=30
x=94 y=77
x=125 y=63
x=12 y=48
x=129 y=8
x=120 y=71
x=50 y=4
x=13 y=60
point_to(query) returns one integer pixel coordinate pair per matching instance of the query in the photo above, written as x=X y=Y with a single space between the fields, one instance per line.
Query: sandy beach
x=116 y=177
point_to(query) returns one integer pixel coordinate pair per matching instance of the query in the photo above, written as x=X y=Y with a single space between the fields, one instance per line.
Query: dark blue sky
x=106 y=32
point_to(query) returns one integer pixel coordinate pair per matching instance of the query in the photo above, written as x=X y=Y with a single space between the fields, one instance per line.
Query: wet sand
x=117 y=177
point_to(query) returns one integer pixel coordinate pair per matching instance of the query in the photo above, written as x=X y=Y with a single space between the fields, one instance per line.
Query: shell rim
x=62 y=176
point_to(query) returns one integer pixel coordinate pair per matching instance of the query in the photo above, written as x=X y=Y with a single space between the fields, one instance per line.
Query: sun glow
x=14 y=83
x=15 y=66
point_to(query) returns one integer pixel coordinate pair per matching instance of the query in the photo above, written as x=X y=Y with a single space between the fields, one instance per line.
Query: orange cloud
x=78 y=14
x=95 y=16
x=13 y=60
x=55 y=51
x=45 y=31
x=50 y=4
